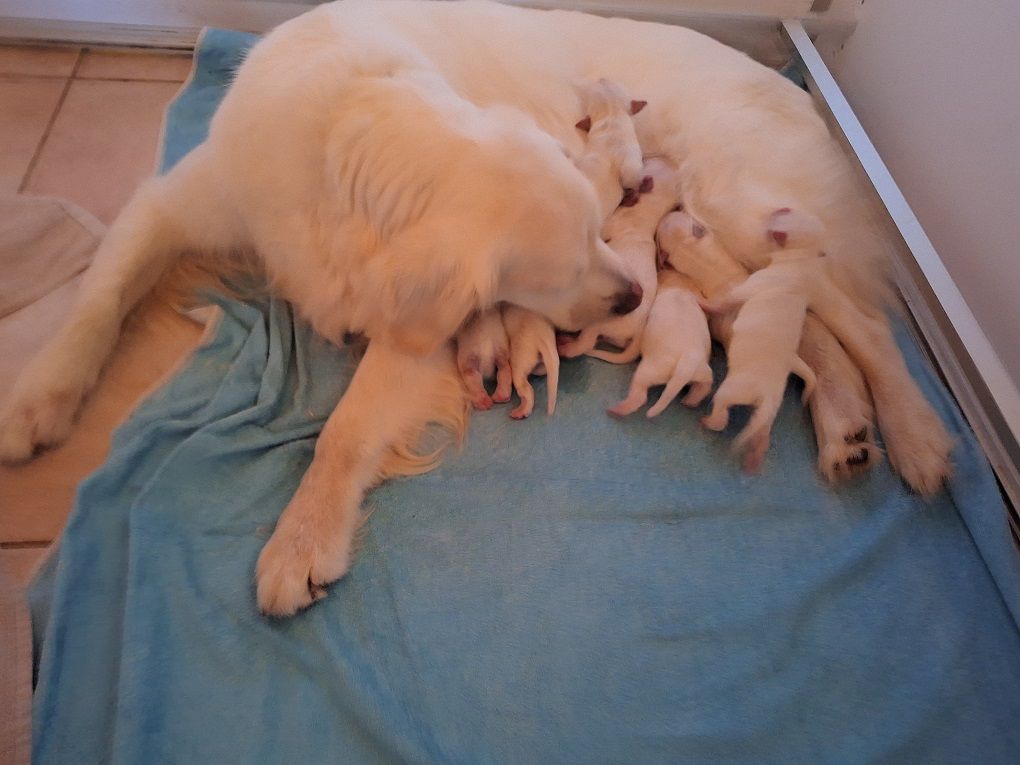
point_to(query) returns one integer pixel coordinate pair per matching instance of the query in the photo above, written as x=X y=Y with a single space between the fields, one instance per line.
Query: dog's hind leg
x=504 y=378
x=471 y=375
x=527 y=395
x=166 y=216
x=687 y=370
x=627 y=355
x=916 y=441
x=701 y=386
x=390 y=400
x=637 y=394
x=580 y=345
x=840 y=406
x=753 y=441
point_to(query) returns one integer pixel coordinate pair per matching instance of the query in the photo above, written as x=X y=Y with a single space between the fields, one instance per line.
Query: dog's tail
x=807 y=375
x=551 y=358
x=627 y=355
x=689 y=369
x=753 y=440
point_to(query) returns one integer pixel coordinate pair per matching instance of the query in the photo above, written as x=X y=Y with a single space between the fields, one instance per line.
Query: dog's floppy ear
x=427 y=294
x=636 y=106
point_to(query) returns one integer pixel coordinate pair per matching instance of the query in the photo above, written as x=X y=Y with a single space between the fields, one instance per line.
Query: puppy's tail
x=551 y=359
x=805 y=373
x=753 y=440
x=688 y=369
x=627 y=355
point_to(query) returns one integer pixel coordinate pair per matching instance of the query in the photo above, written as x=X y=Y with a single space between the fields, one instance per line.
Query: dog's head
x=515 y=221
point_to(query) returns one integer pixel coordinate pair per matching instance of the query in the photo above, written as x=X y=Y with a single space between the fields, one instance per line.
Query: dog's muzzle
x=629 y=300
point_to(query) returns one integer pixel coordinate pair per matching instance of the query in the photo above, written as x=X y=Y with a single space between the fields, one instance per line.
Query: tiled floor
x=84 y=125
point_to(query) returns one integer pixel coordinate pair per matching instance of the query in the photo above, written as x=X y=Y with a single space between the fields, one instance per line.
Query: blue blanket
x=576 y=589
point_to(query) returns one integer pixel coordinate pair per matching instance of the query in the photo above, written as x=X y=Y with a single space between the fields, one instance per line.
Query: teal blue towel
x=574 y=589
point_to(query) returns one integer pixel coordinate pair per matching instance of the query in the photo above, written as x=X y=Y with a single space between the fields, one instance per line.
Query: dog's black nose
x=629 y=300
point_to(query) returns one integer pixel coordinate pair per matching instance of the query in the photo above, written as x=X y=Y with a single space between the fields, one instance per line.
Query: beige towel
x=45 y=244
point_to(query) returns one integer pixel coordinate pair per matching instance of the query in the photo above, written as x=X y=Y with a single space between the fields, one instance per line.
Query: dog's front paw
x=294 y=569
x=33 y=419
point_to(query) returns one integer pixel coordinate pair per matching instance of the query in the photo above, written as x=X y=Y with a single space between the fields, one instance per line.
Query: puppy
x=764 y=337
x=841 y=408
x=612 y=156
x=532 y=350
x=483 y=350
x=630 y=231
x=675 y=348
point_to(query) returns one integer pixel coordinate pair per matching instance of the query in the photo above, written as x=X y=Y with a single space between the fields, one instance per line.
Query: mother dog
x=397 y=166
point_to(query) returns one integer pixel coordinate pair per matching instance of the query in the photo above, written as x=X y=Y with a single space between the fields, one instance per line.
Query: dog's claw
x=858 y=437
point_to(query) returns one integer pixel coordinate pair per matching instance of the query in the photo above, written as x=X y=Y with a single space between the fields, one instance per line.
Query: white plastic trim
x=986 y=393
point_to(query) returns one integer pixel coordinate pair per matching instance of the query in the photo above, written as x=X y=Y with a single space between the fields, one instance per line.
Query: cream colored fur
x=532 y=351
x=612 y=154
x=483 y=351
x=675 y=347
x=630 y=231
x=316 y=164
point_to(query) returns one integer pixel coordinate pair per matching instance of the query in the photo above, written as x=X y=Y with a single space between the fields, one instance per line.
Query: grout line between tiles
x=127 y=79
x=49 y=125
x=31 y=76
x=17 y=76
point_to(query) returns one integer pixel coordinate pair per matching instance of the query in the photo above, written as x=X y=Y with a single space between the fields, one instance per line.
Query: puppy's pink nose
x=628 y=301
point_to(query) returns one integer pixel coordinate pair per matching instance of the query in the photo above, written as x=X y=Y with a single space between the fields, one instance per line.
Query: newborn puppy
x=630 y=231
x=761 y=349
x=532 y=350
x=841 y=409
x=675 y=348
x=483 y=350
x=612 y=156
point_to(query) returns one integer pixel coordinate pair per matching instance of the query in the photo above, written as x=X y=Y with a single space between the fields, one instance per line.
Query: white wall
x=936 y=83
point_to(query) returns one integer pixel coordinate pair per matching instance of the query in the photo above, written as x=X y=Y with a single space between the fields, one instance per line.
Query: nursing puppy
x=532 y=351
x=314 y=164
x=612 y=155
x=675 y=347
x=483 y=351
x=841 y=408
x=761 y=341
x=630 y=231
x=865 y=337
x=747 y=140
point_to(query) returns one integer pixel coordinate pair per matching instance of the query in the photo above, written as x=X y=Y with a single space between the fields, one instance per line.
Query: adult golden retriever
x=397 y=166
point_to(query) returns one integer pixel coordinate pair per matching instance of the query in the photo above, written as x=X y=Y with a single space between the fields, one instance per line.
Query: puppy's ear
x=584 y=124
x=636 y=106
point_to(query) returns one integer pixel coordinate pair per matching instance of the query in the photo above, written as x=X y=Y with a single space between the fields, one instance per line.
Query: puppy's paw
x=752 y=451
x=717 y=420
x=521 y=411
x=504 y=379
x=294 y=569
x=482 y=403
x=853 y=455
x=36 y=419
